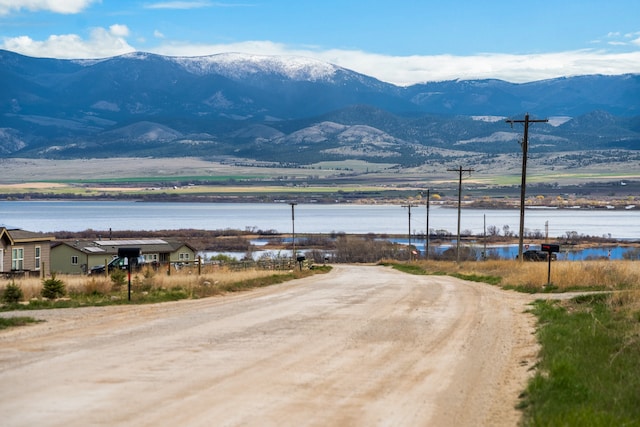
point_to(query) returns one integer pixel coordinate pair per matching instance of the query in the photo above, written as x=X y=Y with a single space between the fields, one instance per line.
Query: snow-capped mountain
x=237 y=66
x=265 y=107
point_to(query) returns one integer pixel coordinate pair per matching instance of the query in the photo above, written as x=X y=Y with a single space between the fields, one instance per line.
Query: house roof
x=112 y=246
x=21 y=236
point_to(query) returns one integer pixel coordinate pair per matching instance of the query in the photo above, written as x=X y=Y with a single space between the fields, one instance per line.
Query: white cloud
x=405 y=70
x=158 y=34
x=118 y=30
x=401 y=70
x=101 y=43
x=57 y=6
x=634 y=38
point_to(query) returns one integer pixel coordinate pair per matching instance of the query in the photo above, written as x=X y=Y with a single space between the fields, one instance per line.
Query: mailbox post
x=549 y=249
x=300 y=260
x=129 y=254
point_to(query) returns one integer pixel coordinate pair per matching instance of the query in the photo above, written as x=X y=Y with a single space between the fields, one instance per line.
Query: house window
x=74 y=260
x=150 y=257
x=17 y=259
x=37 y=259
x=184 y=256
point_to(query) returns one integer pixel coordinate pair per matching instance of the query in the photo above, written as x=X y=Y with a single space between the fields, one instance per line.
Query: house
x=24 y=252
x=79 y=256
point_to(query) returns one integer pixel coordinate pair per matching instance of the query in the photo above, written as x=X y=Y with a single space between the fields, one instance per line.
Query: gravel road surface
x=360 y=346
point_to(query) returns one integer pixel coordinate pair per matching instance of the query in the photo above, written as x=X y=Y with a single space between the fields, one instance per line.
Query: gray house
x=78 y=257
x=24 y=252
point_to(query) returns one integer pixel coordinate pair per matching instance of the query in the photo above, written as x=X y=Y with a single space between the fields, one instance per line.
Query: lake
x=50 y=216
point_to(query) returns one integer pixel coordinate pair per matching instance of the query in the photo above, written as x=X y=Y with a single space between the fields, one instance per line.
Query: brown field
x=215 y=278
x=532 y=276
x=504 y=171
x=565 y=275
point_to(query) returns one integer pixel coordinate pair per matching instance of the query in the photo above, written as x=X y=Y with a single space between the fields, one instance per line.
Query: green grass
x=589 y=368
x=418 y=270
x=10 y=322
x=408 y=268
x=156 y=179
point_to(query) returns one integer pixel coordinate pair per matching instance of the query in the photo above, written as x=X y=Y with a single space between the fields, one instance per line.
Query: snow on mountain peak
x=238 y=65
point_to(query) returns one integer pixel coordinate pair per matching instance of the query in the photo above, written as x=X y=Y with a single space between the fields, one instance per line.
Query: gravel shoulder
x=362 y=345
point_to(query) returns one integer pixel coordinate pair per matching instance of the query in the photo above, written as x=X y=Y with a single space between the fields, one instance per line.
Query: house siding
x=62 y=256
x=89 y=256
x=182 y=254
x=28 y=244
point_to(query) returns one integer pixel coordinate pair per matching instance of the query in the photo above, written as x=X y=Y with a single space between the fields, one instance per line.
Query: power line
x=409 y=206
x=460 y=171
x=523 y=185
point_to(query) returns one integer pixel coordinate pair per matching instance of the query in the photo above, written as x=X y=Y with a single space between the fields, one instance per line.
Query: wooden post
x=523 y=183
x=459 y=170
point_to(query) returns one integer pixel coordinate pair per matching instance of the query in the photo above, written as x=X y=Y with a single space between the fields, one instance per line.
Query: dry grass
x=214 y=280
x=565 y=275
x=623 y=277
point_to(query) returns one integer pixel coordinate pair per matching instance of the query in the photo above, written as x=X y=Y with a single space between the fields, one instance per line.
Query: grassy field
x=113 y=190
x=531 y=277
x=148 y=286
x=93 y=177
x=589 y=368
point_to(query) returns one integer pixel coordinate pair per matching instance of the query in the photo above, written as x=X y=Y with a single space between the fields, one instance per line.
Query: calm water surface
x=49 y=216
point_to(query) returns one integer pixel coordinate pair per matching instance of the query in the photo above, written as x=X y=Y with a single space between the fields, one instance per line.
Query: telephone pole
x=293 y=230
x=523 y=185
x=459 y=170
x=426 y=234
x=409 y=206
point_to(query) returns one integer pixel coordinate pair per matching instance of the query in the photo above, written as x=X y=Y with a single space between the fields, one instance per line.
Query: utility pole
x=293 y=229
x=459 y=170
x=426 y=234
x=546 y=231
x=409 y=206
x=484 y=235
x=523 y=185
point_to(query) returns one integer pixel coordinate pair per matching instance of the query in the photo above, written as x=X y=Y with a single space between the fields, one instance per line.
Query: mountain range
x=295 y=111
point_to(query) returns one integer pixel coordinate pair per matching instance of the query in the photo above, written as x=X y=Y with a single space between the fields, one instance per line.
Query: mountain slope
x=292 y=109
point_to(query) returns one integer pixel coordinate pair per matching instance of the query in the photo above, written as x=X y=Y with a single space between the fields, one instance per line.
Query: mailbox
x=128 y=252
x=550 y=248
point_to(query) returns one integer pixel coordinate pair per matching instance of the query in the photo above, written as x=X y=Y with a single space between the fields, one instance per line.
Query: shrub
x=53 y=288
x=12 y=293
x=118 y=277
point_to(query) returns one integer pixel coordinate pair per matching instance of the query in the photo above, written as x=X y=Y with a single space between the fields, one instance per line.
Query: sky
x=401 y=41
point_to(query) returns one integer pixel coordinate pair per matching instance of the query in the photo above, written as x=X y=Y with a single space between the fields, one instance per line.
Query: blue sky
x=401 y=41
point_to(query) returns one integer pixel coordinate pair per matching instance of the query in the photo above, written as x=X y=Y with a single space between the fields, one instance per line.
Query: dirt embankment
x=363 y=345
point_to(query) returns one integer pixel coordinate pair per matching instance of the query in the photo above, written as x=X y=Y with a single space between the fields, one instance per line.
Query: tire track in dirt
x=363 y=345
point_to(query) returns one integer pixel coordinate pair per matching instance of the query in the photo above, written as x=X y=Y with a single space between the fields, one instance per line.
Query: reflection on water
x=492 y=251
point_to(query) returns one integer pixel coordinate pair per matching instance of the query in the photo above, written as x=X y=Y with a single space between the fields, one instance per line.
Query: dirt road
x=361 y=346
